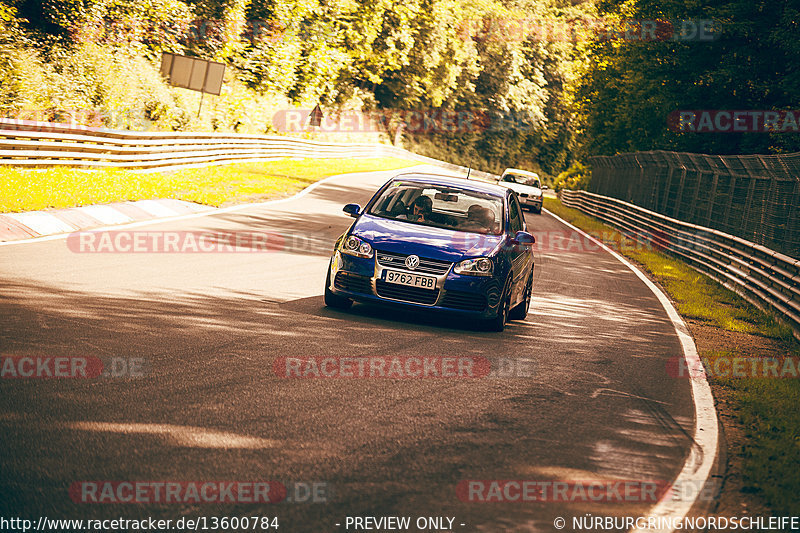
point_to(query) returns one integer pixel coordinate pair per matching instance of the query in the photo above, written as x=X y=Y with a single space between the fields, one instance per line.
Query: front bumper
x=531 y=201
x=362 y=280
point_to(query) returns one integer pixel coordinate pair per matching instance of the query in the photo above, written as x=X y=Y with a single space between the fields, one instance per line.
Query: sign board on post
x=193 y=73
x=315 y=117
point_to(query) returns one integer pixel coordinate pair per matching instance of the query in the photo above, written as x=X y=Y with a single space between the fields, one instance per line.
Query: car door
x=520 y=255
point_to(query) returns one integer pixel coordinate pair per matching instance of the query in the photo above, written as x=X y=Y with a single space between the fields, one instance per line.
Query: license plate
x=410 y=280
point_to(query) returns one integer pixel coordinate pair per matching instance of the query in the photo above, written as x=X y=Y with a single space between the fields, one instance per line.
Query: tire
x=333 y=300
x=520 y=311
x=498 y=323
x=537 y=211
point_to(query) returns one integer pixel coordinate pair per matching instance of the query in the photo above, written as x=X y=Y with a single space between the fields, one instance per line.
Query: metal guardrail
x=756 y=197
x=764 y=277
x=43 y=144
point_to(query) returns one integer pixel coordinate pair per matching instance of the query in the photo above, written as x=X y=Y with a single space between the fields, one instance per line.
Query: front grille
x=347 y=281
x=426 y=266
x=407 y=294
x=468 y=301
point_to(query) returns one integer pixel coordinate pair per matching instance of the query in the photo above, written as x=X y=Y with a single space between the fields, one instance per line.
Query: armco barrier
x=762 y=276
x=755 y=197
x=42 y=144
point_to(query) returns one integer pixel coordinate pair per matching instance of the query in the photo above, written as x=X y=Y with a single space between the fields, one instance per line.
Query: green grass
x=60 y=187
x=768 y=411
x=766 y=407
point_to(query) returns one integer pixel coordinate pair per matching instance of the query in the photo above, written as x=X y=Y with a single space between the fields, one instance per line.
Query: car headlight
x=355 y=246
x=480 y=266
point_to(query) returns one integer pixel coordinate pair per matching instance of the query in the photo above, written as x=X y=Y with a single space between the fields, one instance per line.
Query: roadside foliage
x=95 y=62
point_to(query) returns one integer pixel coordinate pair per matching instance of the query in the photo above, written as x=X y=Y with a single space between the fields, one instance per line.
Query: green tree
x=750 y=64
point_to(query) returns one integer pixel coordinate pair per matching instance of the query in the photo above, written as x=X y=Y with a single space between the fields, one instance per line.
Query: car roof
x=452 y=181
x=520 y=172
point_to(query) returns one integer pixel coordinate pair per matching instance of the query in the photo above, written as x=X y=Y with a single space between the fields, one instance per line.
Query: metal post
x=793 y=222
x=747 y=206
x=695 y=196
x=678 y=196
x=711 y=199
x=203 y=90
x=763 y=227
x=731 y=190
x=665 y=202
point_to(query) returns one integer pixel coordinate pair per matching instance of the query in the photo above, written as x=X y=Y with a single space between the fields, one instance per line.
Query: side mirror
x=524 y=238
x=352 y=209
x=545 y=187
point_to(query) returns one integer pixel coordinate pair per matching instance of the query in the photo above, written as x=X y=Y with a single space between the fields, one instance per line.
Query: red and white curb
x=13 y=232
x=32 y=224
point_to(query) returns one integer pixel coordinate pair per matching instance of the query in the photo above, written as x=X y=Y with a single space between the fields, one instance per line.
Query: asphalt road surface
x=205 y=404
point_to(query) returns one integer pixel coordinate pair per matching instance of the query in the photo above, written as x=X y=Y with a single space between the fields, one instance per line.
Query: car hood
x=404 y=237
x=523 y=189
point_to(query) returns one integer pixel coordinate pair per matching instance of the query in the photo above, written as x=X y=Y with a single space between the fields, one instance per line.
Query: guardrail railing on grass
x=42 y=144
x=764 y=277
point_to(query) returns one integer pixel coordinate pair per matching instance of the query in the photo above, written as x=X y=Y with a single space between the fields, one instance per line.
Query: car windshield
x=523 y=180
x=440 y=206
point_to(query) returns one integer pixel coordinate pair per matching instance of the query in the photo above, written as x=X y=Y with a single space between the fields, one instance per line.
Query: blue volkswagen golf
x=437 y=243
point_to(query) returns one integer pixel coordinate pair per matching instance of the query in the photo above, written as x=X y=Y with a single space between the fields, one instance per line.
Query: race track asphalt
x=596 y=402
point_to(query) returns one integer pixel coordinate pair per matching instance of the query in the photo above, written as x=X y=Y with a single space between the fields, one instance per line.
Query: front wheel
x=498 y=323
x=520 y=311
x=333 y=300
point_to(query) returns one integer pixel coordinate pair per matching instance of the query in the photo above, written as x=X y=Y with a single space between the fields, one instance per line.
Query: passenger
x=487 y=219
x=474 y=213
x=474 y=219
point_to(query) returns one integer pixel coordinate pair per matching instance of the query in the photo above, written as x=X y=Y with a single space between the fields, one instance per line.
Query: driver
x=421 y=209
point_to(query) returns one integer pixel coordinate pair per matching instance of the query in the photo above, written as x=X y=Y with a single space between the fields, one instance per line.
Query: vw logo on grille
x=412 y=262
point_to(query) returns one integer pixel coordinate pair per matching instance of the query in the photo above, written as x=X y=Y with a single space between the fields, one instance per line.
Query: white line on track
x=697 y=467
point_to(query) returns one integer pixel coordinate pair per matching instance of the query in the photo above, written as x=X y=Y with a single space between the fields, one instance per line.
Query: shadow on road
x=211 y=406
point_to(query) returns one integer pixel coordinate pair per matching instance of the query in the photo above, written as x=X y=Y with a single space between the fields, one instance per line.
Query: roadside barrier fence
x=34 y=144
x=765 y=277
x=755 y=197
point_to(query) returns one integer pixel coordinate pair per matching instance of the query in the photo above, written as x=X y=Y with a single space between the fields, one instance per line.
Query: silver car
x=527 y=186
